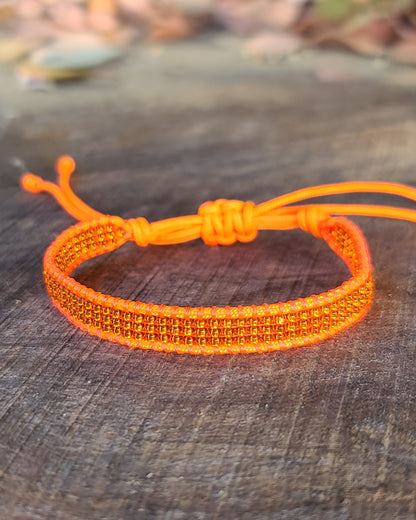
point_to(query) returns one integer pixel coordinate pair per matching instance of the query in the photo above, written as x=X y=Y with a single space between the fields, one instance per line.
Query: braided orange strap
x=213 y=330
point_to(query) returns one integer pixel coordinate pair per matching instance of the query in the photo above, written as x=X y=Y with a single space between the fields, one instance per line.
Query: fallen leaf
x=242 y=18
x=310 y=25
x=13 y=49
x=360 y=44
x=102 y=15
x=137 y=8
x=267 y=44
x=29 y=8
x=404 y=27
x=282 y=13
x=71 y=17
x=7 y=10
x=404 y=52
x=36 y=31
x=173 y=27
x=372 y=38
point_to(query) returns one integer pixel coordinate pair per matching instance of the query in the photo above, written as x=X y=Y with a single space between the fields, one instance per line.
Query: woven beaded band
x=214 y=330
x=204 y=330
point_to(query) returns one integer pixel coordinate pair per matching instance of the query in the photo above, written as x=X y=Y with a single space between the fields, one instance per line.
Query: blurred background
x=54 y=40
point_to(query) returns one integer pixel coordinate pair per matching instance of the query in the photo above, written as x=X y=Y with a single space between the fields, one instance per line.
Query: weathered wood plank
x=90 y=429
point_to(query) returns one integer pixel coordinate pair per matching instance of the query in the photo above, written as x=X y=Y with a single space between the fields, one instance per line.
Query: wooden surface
x=93 y=430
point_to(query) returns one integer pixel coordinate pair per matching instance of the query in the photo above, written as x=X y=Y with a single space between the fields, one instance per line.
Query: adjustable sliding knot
x=141 y=231
x=310 y=219
x=227 y=221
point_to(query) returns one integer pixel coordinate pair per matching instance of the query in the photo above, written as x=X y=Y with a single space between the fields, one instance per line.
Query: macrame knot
x=310 y=219
x=142 y=231
x=226 y=221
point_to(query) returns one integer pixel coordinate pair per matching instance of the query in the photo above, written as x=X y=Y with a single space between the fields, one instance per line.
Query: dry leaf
x=36 y=31
x=404 y=27
x=267 y=44
x=30 y=9
x=240 y=17
x=282 y=13
x=142 y=9
x=376 y=27
x=13 y=49
x=102 y=15
x=70 y=17
x=404 y=52
x=372 y=38
x=171 y=28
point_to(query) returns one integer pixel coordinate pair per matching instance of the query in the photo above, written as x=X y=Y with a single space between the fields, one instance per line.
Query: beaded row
x=205 y=330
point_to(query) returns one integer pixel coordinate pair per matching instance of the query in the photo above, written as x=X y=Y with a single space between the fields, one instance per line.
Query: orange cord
x=214 y=330
x=226 y=221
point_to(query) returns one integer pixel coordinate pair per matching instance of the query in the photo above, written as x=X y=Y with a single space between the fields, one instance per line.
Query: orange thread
x=214 y=330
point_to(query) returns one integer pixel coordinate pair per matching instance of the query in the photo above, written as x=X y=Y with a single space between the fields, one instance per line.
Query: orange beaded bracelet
x=214 y=330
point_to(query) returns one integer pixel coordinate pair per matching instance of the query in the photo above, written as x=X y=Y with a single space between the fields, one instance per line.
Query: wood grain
x=93 y=430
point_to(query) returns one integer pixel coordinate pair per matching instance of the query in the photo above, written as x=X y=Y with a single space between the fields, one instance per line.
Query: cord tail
x=224 y=222
x=62 y=191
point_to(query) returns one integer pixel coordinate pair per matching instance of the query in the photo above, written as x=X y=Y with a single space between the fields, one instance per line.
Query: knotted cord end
x=65 y=166
x=32 y=183
x=62 y=191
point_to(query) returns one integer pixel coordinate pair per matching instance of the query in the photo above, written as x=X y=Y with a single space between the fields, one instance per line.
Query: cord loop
x=227 y=221
x=142 y=231
x=310 y=219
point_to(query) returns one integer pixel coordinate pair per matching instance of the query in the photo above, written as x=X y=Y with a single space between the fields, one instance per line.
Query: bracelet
x=214 y=330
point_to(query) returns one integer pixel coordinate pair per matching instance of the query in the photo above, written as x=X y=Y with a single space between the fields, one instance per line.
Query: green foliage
x=340 y=10
x=335 y=10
